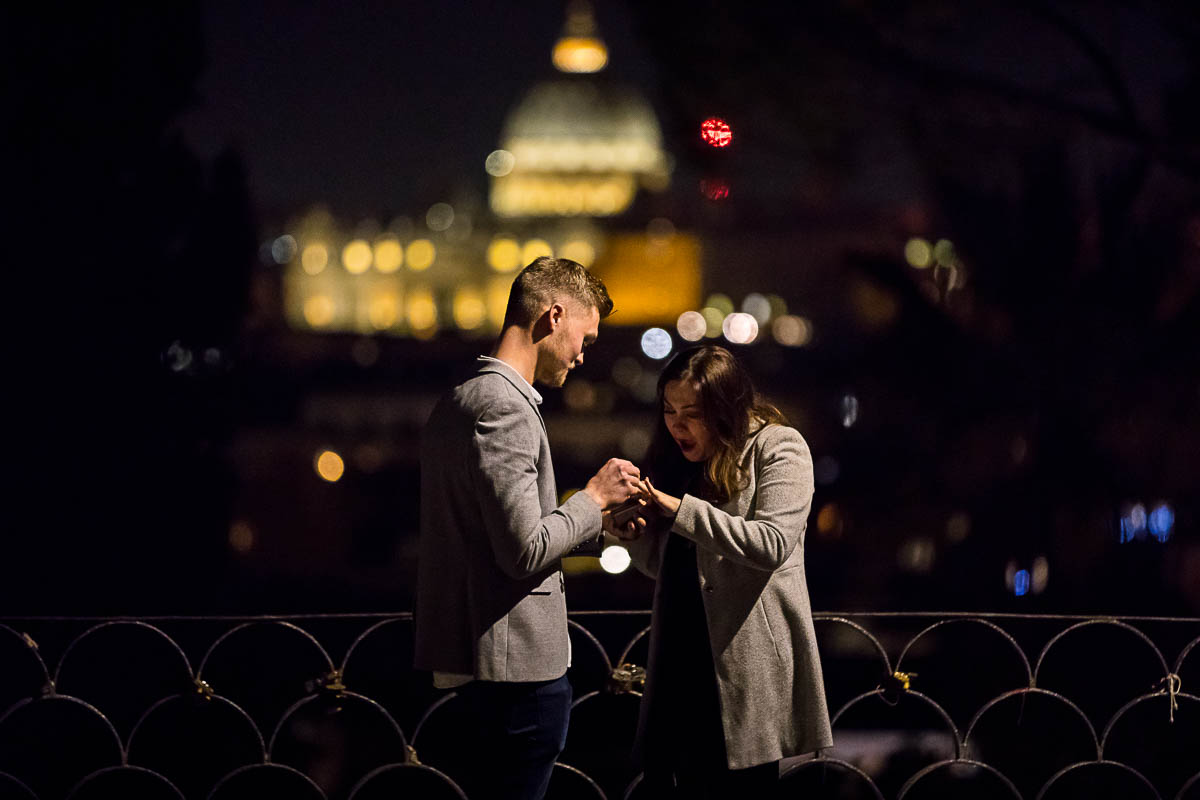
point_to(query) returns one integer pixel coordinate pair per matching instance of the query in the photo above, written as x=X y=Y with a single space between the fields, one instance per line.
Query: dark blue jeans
x=521 y=729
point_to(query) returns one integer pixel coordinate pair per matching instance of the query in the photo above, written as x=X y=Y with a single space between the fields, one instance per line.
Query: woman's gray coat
x=750 y=556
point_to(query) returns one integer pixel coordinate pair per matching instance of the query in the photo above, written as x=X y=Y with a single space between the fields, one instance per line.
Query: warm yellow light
x=388 y=255
x=314 y=258
x=318 y=310
x=579 y=250
x=469 y=309
x=356 y=257
x=421 y=254
x=580 y=54
x=504 y=254
x=383 y=310
x=329 y=465
x=918 y=253
x=422 y=311
x=535 y=248
x=497 y=300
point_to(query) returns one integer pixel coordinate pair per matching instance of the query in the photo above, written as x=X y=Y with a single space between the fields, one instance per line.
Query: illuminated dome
x=579 y=145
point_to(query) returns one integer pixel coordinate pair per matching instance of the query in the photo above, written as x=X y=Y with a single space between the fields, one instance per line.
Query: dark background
x=152 y=151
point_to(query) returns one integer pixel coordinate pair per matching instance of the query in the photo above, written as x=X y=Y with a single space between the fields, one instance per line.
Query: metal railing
x=923 y=705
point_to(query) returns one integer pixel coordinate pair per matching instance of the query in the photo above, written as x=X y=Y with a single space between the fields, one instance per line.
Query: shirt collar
x=511 y=371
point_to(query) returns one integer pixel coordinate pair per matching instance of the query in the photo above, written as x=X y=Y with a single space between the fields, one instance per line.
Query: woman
x=734 y=681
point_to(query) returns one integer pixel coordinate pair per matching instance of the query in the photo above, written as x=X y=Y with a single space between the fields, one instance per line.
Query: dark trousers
x=520 y=728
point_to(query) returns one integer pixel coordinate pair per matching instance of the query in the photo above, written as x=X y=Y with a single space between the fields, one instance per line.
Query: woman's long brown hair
x=729 y=406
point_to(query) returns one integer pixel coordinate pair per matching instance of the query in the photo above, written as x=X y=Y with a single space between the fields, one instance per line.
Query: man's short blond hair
x=545 y=280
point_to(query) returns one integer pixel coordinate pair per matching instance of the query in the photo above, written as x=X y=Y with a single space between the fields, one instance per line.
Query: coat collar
x=490 y=364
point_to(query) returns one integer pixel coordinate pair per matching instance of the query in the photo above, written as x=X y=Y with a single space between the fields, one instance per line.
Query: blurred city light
x=614 y=559
x=958 y=527
x=714 y=318
x=634 y=443
x=1133 y=523
x=918 y=253
x=580 y=54
x=720 y=302
x=356 y=257
x=318 y=310
x=535 y=248
x=383 y=310
x=656 y=343
x=791 y=331
x=314 y=258
x=469 y=309
x=421 y=254
x=580 y=251
x=829 y=521
x=1021 y=582
x=659 y=230
x=283 y=249
x=439 y=217
x=499 y=163
x=1161 y=520
x=943 y=253
x=917 y=555
x=241 y=537
x=849 y=410
x=740 y=328
x=716 y=132
x=691 y=326
x=329 y=466
x=389 y=255
x=177 y=357
x=714 y=188
x=757 y=306
x=579 y=394
x=1039 y=575
x=504 y=254
x=422 y=312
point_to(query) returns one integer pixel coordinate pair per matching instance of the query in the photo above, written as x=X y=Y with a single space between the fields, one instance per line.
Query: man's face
x=574 y=328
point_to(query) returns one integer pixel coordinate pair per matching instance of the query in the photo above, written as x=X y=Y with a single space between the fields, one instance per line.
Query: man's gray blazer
x=489 y=585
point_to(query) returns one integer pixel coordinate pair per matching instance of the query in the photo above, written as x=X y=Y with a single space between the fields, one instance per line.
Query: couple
x=734 y=680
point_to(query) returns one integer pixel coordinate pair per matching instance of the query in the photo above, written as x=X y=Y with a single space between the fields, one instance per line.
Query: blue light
x=1021 y=582
x=1133 y=523
x=1162 y=519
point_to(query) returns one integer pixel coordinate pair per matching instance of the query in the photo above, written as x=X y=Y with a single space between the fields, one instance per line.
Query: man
x=491 y=617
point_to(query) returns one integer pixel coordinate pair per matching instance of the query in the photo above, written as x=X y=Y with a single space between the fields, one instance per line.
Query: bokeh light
x=504 y=254
x=318 y=310
x=791 y=331
x=614 y=559
x=283 y=249
x=691 y=326
x=918 y=253
x=656 y=343
x=439 y=217
x=660 y=230
x=241 y=537
x=1160 y=522
x=758 y=306
x=329 y=465
x=499 y=163
x=580 y=251
x=714 y=318
x=739 y=328
x=383 y=310
x=356 y=257
x=389 y=255
x=849 y=410
x=714 y=188
x=943 y=253
x=422 y=311
x=314 y=258
x=829 y=521
x=535 y=248
x=716 y=132
x=721 y=302
x=469 y=309
x=1133 y=523
x=421 y=254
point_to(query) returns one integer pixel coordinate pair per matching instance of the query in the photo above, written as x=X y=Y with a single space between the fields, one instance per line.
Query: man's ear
x=556 y=314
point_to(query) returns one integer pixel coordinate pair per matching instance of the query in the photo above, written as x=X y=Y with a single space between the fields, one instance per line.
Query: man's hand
x=616 y=482
x=625 y=524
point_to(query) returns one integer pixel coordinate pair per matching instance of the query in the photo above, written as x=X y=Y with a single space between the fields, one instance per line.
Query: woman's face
x=684 y=417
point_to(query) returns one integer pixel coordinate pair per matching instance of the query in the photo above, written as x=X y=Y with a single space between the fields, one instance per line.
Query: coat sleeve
x=646 y=551
x=783 y=487
x=503 y=461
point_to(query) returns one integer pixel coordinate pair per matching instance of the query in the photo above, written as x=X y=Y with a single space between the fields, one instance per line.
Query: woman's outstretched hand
x=662 y=502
